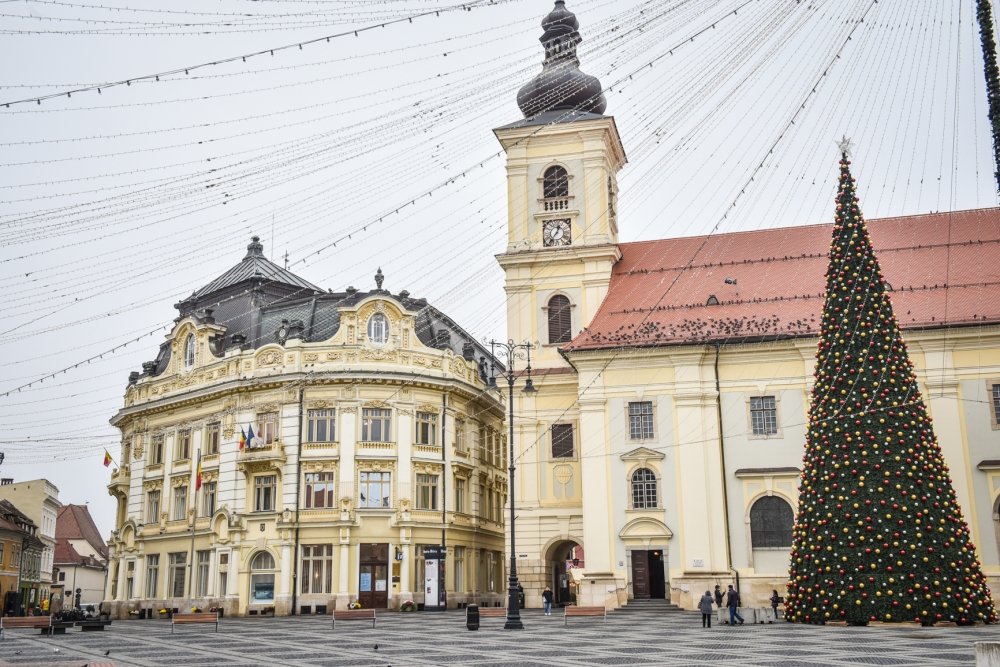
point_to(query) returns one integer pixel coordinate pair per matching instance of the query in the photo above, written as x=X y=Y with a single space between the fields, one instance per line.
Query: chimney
x=6 y=481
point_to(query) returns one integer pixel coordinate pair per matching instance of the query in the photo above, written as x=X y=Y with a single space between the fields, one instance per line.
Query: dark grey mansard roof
x=257 y=298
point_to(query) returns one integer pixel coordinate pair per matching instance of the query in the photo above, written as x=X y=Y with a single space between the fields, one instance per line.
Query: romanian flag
x=107 y=458
x=243 y=439
x=197 y=475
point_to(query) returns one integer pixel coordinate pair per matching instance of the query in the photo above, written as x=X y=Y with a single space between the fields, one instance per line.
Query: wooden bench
x=353 y=615
x=43 y=623
x=93 y=624
x=195 y=617
x=584 y=611
x=491 y=612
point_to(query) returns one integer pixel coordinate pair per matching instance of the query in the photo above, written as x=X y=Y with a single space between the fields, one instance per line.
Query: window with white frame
x=180 y=503
x=640 y=420
x=265 y=490
x=319 y=490
x=460 y=494
x=378 y=328
x=130 y=580
x=317 y=568
x=459 y=569
x=427 y=492
x=322 y=425
x=182 y=447
x=262 y=578
x=995 y=396
x=152 y=506
x=156 y=450
x=460 y=436
x=208 y=498
x=562 y=441
x=189 y=349
x=152 y=575
x=267 y=428
x=374 y=489
x=212 y=438
x=426 y=428
x=771 y=522
x=375 y=424
x=204 y=559
x=763 y=415
x=644 y=495
x=176 y=569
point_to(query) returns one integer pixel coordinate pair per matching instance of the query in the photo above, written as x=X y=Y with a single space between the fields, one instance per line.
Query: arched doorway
x=563 y=560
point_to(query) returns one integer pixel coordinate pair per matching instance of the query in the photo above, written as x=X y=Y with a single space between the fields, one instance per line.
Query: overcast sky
x=376 y=150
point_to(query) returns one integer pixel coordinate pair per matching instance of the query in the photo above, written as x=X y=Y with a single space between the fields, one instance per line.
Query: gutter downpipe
x=298 y=505
x=444 y=495
x=722 y=458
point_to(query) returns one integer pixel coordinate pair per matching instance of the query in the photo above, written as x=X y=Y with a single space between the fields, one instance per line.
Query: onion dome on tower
x=561 y=86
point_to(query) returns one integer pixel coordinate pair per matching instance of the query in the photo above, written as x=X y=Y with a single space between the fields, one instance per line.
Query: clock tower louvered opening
x=560 y=325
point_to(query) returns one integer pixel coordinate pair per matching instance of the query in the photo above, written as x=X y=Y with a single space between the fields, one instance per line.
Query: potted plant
x=354 y=605
x=408 y=605
x=195 y=610
x=165 y=613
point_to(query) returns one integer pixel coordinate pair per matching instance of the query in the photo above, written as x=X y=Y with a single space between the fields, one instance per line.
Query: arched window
x=560 y=325
x=771 y=523
x=189 y=351
x=555 y=183
x=643 y=489
x=378 y=328
x=262 y=579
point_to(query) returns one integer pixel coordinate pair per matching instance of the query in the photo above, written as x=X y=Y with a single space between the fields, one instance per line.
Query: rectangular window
x=460 y=436
x=1 y=553
x=317 y=568
x=208 y=496
x=204 y=559
x=182 y=448
x=153 y=506
x=264 y=493
x=374 y=490
x=459 y=569
x=177 y=564
x=427 y=492
x=180 y=503
x=491 y=571
x=322 y=426
x=562 y=441
x=640 y=420
x=130 y=580
x=375 y=425
x=319 y=490
x=152 y=575
x=763 y=415
x=212 y=438
x=156 y=450
x=460 y=494
x=996 y=404
x=483 y=443
x=426 y=428
x=267 y=428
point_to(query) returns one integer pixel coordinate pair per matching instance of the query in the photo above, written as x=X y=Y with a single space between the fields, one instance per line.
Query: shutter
x=560 y=325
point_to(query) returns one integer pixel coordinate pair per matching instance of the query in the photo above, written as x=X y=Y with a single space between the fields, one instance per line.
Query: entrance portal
x=648 y=579
x=373 y=576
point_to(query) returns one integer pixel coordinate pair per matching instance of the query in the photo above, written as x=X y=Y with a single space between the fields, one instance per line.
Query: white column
x=598 y=532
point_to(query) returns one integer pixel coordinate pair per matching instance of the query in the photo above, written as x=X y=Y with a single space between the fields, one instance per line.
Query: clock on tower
x=556 y=233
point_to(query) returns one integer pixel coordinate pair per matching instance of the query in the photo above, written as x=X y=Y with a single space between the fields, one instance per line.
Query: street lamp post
x=511 y=351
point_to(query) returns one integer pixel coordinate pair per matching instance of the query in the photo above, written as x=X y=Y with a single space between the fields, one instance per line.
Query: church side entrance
x=373 y=576
x=648 y=579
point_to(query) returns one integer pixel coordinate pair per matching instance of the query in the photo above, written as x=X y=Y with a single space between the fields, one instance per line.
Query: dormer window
x=189 y=351
x=378 y=328
x=555 y=183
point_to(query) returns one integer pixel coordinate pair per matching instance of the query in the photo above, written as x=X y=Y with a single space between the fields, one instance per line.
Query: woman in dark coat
x=705 y=606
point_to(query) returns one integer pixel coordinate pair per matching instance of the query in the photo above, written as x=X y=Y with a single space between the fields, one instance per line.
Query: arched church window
x=378 y=328
x=262 y=578
x=643 y=489
x=560 y=324
x=189 y=351
x=555 y=182
x=771 y=523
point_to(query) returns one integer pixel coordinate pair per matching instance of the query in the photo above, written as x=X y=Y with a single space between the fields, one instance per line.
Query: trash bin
x=472 y=617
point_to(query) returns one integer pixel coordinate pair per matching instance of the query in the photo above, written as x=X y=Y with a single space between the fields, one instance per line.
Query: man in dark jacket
x=718 y=596
x=733 y=602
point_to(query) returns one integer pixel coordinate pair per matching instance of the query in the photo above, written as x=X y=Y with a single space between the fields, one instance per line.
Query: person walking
x=718 y=596
x=705 y=605
x=547 y=600
x=775 y=601
x=733 y=602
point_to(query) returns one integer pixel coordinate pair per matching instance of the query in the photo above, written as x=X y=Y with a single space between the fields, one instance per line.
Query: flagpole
x=194 y=520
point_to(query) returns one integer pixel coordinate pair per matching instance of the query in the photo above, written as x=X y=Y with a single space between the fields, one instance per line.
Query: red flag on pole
x=107 y=458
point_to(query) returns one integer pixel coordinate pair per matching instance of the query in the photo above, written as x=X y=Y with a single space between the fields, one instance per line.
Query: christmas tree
x=879 y=533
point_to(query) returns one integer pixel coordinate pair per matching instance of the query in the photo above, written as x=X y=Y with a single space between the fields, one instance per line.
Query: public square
x=673 y=638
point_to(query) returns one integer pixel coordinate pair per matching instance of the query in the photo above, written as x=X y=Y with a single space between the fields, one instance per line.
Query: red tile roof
x=944 y=270
x=75 y=523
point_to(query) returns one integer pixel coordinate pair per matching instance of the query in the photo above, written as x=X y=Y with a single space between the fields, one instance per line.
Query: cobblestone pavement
x=672 y=638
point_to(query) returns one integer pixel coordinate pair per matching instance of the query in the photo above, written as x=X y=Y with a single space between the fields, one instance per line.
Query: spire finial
x=255 y=249
x=379 y=278
x=845 y=145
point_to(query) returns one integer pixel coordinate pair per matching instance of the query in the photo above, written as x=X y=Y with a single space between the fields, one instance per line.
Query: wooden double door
x=648 y=575
x=373 y=576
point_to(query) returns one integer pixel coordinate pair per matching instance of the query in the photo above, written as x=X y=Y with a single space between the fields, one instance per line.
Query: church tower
x=563 y=160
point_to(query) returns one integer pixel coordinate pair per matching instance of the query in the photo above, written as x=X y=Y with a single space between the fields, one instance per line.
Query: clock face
x=556 y=233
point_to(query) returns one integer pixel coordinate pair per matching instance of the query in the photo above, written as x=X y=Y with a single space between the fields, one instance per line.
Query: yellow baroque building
x=374 y=437
x=664 y=444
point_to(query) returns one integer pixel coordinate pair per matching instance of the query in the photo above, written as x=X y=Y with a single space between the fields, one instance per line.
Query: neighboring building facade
x=674 y=376
x=38 y=499
x=81 y=556
x=11 y=541
x=24 y=560
x=373 y=437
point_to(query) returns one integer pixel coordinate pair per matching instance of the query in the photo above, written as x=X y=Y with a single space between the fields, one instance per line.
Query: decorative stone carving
x=137 y=450
x=404 y=412
x=458 y=366
x=348 y=409
x=378 y=354
x=152 y=484
x=269 y=358
x=178 y=481
x=404 y=504
x=318 y=405
x=405 y=393
x=268 y=407
x=427 y=468
x=312 y=356
x=333 y=356
x=377 y=403
x=349 y=392
x=345 y=503
x=427 y=407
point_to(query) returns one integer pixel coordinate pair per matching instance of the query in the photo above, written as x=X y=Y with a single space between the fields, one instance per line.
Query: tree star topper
x=845 y=145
